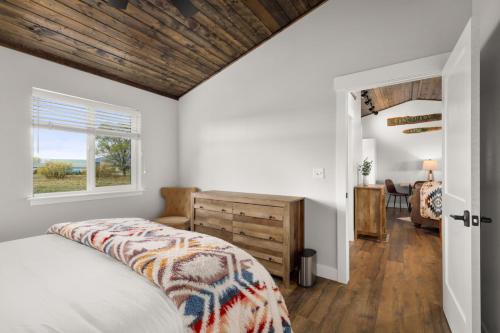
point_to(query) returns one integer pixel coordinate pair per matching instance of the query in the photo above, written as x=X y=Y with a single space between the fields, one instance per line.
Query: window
x=83 y=148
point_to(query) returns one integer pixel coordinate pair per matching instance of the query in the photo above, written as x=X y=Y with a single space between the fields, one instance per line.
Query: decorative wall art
x=396 y=121
x=421 y=130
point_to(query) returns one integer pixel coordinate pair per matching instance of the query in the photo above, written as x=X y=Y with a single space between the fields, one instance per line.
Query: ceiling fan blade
x=185 y=7
x=119 y=4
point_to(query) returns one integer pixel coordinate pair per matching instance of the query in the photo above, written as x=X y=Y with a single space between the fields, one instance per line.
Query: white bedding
x=51 y=284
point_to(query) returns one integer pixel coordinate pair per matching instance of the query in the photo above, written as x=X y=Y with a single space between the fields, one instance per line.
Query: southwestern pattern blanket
x=216 y=286
x=431 y=204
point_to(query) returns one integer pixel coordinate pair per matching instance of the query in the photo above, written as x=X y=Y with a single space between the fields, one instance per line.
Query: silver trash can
x=307 y=272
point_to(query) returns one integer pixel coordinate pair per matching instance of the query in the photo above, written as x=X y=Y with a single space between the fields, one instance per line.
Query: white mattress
x=51 y=284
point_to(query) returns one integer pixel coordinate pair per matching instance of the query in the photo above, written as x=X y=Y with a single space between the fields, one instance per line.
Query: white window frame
x=92 y=192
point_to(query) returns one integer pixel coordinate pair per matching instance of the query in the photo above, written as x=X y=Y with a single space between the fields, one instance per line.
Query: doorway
x=400 y=137
x=346 y=173
x=397 y=206
x=460 y=190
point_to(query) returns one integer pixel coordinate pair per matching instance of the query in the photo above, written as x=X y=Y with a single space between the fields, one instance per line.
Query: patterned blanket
x=430 y=200
x=216 y=286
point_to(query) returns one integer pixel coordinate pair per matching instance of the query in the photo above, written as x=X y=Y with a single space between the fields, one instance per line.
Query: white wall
x=399 y=155
x=263 y=123
x=18 y=74
x=369 y=152
x=490 y=163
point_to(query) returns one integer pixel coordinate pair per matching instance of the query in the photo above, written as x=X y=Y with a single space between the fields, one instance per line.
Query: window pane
x=113 y=161
x=59 y=162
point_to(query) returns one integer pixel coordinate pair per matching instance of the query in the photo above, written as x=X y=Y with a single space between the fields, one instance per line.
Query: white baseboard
x=326 y=272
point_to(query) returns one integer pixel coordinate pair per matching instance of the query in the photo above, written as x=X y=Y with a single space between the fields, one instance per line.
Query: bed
x=78 y=278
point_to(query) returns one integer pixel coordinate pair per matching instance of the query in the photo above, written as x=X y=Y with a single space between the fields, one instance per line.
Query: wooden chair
x=177 y=213
x=391 y=190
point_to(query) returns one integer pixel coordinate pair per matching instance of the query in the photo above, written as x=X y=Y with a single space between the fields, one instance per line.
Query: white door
x=461 y=271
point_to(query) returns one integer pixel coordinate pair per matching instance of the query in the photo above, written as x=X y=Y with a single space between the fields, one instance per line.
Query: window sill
x=54 y=198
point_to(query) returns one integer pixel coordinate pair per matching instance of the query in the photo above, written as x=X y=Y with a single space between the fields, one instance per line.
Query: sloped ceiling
x=167 y=47
x=386 y=97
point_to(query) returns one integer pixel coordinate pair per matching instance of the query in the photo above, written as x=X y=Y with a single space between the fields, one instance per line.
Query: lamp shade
x=429 y=165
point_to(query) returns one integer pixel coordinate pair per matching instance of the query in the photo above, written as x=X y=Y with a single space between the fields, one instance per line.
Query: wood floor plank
x=395 y=286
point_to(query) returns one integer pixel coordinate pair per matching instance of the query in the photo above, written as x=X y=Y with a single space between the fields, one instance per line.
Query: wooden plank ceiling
x=382 y=98
x=151 y=44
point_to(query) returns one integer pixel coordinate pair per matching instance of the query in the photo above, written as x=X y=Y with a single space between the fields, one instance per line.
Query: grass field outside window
x=72 y=183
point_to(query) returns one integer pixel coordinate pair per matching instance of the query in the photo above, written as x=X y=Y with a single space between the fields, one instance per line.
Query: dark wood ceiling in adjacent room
x=151 y=44
x=386 y=97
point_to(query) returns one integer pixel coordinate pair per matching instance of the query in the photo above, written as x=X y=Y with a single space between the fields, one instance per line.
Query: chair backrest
x=389 y=184
x=419 y=182
x=177 y=200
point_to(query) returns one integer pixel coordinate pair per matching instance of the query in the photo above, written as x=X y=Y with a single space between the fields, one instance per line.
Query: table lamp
x=429 y=166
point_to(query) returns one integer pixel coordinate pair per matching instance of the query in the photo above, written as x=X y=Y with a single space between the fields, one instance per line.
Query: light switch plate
x=319 y=173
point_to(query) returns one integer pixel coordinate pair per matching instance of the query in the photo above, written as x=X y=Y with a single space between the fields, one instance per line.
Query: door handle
x=485 y=219
x=465 y=218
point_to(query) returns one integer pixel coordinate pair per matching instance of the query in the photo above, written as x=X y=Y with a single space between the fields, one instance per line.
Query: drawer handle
x=270 y=259
x=242 y=232
x=271 y=217
x=271 y=238
x=242 y=213
x=223 y=210
x=201 y=223
x=201 y=206
x=223 y=229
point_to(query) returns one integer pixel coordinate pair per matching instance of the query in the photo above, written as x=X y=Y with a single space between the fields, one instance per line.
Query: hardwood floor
x=395 y=287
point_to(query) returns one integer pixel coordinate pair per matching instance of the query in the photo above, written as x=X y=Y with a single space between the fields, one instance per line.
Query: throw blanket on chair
x=216 y=286
x=430 y=200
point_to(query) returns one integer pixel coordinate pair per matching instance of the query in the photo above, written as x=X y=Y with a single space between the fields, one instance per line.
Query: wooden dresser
x=369 y=211
x=269 y=227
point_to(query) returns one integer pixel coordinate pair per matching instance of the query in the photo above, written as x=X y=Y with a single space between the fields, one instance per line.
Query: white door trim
x=403 y=72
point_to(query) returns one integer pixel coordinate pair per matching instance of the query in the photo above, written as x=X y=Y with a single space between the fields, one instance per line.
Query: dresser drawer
x=243 y=241
x=272 y=267
x=271 y=259
x=259 y=228
x=225 y=235
x=264 y=212
x=213 y=219
x=213 y=205
x=265 y=256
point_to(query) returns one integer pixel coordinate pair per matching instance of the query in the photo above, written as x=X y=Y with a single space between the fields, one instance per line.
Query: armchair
x=416 y=217
x=177 y=212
